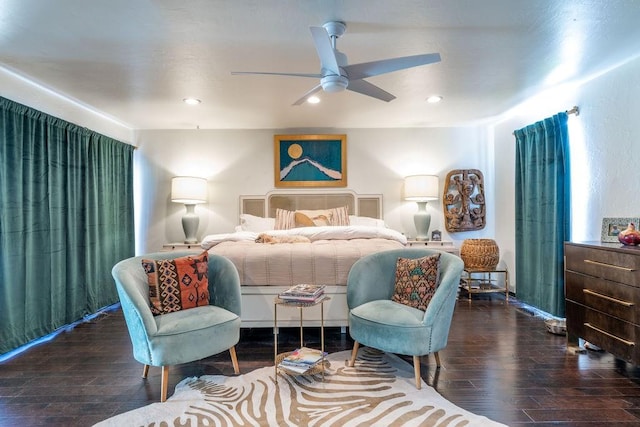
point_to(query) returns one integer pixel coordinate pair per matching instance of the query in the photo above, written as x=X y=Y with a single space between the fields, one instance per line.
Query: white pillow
x=256 y=224
x=366 y=221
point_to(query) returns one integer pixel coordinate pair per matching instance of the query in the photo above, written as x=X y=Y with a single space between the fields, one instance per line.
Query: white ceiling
x=135 y=60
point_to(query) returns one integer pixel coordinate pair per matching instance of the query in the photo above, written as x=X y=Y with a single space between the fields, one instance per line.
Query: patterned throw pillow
x=286 y=220
x=316 y=218
x=177 y=284
x=340 y=216
x=416 y=281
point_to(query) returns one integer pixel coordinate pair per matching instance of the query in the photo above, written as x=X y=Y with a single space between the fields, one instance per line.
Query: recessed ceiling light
x=313 y=100
x=191 y=101
x=434 y=99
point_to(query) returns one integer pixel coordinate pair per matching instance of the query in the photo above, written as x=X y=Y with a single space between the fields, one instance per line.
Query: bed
x=321 y=252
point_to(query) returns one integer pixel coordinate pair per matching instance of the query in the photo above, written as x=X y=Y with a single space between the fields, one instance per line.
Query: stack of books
x=301 y=360
x=303 y=293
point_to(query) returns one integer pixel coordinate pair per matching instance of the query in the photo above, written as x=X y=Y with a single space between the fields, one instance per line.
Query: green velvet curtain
x=66 y=217
x=543 y=212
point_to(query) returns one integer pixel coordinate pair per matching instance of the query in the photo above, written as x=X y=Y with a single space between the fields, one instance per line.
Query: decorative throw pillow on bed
x=177 y=284
x=286 y=220
x=317 y=218
x=416 y=280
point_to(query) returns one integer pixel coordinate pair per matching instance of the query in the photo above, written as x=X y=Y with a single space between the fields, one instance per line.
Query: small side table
x=485 y=284
x=300 y=305
x=444 y=245
x=168 y=247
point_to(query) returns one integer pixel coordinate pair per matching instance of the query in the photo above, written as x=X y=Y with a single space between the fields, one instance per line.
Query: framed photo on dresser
x=611 y=227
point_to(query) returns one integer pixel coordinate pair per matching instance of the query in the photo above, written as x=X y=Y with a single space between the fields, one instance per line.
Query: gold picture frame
x=310 y=160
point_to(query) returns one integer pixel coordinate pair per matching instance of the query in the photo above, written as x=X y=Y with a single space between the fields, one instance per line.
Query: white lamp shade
x=421 y=188
x=188 y=190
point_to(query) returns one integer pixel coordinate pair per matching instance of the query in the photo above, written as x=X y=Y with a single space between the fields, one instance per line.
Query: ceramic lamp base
x=190 y=223
x=422 y=221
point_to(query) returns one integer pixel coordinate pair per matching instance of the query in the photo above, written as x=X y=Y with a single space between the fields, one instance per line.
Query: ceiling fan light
x=313 y=100
x=434 y=99
x=334 y=83
x=191 y=101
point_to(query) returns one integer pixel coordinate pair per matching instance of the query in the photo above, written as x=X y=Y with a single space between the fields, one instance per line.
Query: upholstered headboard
x=369 y=205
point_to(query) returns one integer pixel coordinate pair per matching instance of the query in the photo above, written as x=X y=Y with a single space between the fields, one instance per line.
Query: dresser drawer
x=614 y=335
x=616 y=299
x=616 y=266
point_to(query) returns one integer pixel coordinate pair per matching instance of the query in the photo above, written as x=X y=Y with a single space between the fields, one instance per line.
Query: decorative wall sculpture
x=463 y=200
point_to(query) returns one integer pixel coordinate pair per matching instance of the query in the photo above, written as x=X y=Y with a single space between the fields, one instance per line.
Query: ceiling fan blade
x=239 y=73
x=370 y=69
x=366 y=88
x=328 y=59
x=306 y=96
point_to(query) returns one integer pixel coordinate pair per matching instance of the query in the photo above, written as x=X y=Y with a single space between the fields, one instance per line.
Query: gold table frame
x=300 y=305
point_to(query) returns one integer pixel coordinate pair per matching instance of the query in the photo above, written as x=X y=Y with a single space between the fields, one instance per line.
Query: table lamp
x=190 y=191
x=421 y=189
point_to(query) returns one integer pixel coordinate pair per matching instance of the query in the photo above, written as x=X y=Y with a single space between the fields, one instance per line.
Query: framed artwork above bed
x=310 y=160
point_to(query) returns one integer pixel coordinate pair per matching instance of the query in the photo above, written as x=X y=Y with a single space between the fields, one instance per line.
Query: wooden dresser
x=602 y=290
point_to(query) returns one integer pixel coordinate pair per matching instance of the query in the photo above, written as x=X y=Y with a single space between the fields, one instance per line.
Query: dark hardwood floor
x=500 y=362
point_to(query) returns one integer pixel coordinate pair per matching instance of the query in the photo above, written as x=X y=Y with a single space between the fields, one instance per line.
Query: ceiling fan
x=336 y=75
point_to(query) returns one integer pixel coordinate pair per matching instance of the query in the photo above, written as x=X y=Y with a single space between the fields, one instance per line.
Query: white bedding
x=347 y=232
x=326 y=260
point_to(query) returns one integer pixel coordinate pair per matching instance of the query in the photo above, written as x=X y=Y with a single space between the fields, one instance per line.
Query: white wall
x=238 y=162
x=604 y=153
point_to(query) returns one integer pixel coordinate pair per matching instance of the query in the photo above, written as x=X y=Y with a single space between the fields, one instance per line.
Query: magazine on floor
x=302 y=359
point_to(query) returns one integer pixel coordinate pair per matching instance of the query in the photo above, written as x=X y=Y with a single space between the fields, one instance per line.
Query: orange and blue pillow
x=177 y=284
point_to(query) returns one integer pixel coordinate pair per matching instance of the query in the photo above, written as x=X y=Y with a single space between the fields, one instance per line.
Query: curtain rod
x=573 y=110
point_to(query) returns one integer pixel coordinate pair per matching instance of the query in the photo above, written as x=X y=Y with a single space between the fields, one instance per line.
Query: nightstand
x=168 y=247
x=445 y=245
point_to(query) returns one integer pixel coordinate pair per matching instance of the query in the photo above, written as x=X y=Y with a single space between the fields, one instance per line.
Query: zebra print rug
x=378 y=391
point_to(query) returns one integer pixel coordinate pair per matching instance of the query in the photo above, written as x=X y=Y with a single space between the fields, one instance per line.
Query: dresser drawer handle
x=602 y=264
x=629 y=343
x=608 y=298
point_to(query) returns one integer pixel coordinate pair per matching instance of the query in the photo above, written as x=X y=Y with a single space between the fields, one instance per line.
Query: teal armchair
x=183 y=336
x=377 y=321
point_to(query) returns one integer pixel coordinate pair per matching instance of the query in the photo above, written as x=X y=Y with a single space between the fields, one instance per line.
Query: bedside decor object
x=463 y=200
x=611 y=228
x=480 y=254
x=310 y=160
x=629 y=236
x=421 y=189
x=190 y=191
x=436 y=235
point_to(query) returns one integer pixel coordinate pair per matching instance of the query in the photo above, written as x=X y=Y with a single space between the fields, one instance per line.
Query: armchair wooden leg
x=145 y=371
x=165 y=383
x=354 y=353
x=416 y=370
x=437 y=355
x=234 y=360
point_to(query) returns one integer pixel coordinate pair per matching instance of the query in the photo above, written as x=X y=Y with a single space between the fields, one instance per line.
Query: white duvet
x=326 y=259
x=347 y=232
